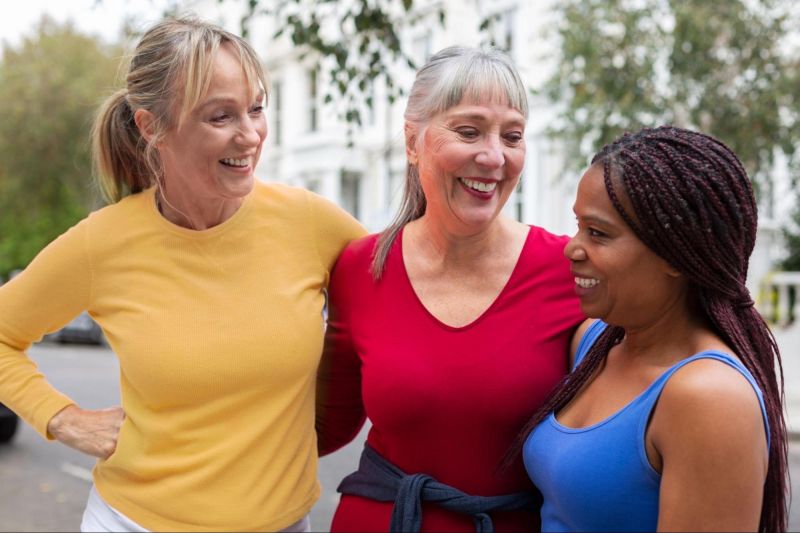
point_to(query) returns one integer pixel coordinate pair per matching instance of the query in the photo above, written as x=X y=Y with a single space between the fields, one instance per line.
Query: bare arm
x=709 y=433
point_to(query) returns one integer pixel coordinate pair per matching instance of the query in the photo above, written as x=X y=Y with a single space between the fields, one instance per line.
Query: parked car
x=8 y=424
x=82 y=330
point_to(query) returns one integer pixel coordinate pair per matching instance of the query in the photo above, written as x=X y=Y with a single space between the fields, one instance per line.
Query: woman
x=672 y=419
x=454 y=322
x=209 y=288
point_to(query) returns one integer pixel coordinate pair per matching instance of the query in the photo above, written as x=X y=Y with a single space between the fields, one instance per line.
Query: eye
x=257 y=109
x=595 y=233
x=220 y=117
x=468 y=133
x=513 y=137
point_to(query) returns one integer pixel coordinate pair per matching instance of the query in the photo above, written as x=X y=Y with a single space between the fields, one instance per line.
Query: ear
x=411 y=144
x=672 y=271
x=144 y=121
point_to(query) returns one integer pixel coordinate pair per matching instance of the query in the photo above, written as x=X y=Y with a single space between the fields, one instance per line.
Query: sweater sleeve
x=339 y=408
x=333 y=228
x=52 y=290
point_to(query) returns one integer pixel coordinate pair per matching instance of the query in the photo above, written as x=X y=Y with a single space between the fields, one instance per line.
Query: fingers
x=93 y=432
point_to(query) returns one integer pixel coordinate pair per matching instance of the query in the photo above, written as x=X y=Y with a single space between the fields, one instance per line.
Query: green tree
x=50 y=86
x=357 y=41
x=720 y=67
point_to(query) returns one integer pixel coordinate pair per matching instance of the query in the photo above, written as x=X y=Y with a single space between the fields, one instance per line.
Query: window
x=519 y=201
x=502 y=30
x=277 y=133
x=313 y=110
x=421 y=49
x=350 y=191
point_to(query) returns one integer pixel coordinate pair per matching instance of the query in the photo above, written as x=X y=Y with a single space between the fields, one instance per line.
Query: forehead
x=228 y=74
x=592 y=197
x=485 y=108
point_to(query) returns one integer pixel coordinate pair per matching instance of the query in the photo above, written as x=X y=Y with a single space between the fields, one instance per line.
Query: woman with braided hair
x=672 y=418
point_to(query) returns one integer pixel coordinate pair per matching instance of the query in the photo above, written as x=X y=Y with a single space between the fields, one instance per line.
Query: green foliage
x=791 y=235
x=50 y=86
x=713 y=66
x=356 y=40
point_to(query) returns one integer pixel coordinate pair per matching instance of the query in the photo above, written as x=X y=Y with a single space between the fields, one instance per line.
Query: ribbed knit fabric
x=218 y=335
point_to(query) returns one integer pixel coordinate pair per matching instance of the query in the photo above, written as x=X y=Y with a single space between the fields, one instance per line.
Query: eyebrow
x=226 y=100
x=594 y=219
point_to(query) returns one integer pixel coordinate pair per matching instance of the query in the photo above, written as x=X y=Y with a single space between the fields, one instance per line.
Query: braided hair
x=692 y=203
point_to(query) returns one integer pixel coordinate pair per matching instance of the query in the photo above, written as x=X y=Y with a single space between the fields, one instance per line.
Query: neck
x=195 y=213
x=674 y=333
x=452 y=250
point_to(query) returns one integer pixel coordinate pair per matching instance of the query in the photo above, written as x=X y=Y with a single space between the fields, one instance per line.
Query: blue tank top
x=599 y=478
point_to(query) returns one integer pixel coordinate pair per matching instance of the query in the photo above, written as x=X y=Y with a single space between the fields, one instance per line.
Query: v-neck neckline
x=485 y=312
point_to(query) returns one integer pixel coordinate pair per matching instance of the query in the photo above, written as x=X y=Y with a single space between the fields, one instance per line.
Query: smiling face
x=214 y=151
x=617 y=277
x=469 y=158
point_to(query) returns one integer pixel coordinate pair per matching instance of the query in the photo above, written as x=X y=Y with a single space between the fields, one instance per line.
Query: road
x=44 y=485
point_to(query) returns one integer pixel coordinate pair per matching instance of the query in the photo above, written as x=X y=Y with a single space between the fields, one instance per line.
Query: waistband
x=380 y=480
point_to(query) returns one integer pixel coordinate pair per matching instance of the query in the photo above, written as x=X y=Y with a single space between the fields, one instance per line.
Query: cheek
x=515 y=159
x=262 y=129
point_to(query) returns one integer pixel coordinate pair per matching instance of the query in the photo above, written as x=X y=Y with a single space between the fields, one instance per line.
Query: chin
x=239 y=189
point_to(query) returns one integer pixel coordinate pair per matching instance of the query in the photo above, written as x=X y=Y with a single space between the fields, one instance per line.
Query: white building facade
x=308 y=143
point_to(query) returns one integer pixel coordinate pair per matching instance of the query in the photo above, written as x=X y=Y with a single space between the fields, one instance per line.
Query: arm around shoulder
x=340 y=410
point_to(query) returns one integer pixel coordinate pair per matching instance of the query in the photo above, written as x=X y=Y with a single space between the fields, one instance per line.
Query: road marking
x=76 y=471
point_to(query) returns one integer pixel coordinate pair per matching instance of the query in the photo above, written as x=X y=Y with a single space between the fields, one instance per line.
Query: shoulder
x=279 y=193
x=709 y=400
x=545 y=251
x=711 y=380
x=547 y=242
x=358 y=252
x=113 y=223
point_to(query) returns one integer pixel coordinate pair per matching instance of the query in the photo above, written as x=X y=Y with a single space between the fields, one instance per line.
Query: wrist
x=57 y=422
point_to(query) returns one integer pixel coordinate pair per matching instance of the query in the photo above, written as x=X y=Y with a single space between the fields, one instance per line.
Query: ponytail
x=118 y=150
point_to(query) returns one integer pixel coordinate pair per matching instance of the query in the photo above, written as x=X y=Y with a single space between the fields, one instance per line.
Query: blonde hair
x=452 y=75
x=169 y=73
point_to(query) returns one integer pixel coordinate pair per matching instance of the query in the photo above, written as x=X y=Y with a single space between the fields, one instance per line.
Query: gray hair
x=451 y=76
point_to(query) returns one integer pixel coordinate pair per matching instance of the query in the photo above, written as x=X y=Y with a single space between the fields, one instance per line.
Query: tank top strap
x=587 y=341
x=649 y=397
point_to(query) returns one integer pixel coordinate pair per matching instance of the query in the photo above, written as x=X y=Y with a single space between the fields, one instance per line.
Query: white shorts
x=99 y=516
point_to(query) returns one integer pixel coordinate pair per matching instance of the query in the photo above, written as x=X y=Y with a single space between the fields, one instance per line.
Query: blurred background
x=339 y=72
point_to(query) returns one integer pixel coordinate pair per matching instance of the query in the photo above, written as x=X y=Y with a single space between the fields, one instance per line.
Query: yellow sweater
x=218 y=334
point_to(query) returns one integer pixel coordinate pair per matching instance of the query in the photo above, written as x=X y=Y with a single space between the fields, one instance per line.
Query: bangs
x=200 y=69
x=477 y=80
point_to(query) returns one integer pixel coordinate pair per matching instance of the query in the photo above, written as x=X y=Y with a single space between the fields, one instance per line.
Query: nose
x=491 y=153
x=573 y=250
x=252 y=131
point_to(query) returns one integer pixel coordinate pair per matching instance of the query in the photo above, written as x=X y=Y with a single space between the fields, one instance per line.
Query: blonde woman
x=209 y=288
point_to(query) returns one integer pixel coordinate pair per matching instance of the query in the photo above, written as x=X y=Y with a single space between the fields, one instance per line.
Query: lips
x=235 y=163
x=586 y=283
x=485 y=186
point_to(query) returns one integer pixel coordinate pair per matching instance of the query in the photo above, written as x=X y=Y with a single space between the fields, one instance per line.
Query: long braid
x=721 y=222
x=688 y=198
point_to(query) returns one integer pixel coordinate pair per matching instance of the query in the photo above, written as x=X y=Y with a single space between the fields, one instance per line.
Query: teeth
x=586 y=283
x=479 y=185
x=236 y=162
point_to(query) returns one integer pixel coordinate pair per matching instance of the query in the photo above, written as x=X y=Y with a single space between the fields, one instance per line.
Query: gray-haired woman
x=449 y=328
x=209 y=287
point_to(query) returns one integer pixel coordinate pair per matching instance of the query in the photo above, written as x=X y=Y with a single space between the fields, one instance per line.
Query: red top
x=443 y=401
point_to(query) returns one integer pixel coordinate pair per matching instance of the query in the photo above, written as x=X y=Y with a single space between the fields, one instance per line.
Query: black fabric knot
x=380 y=480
